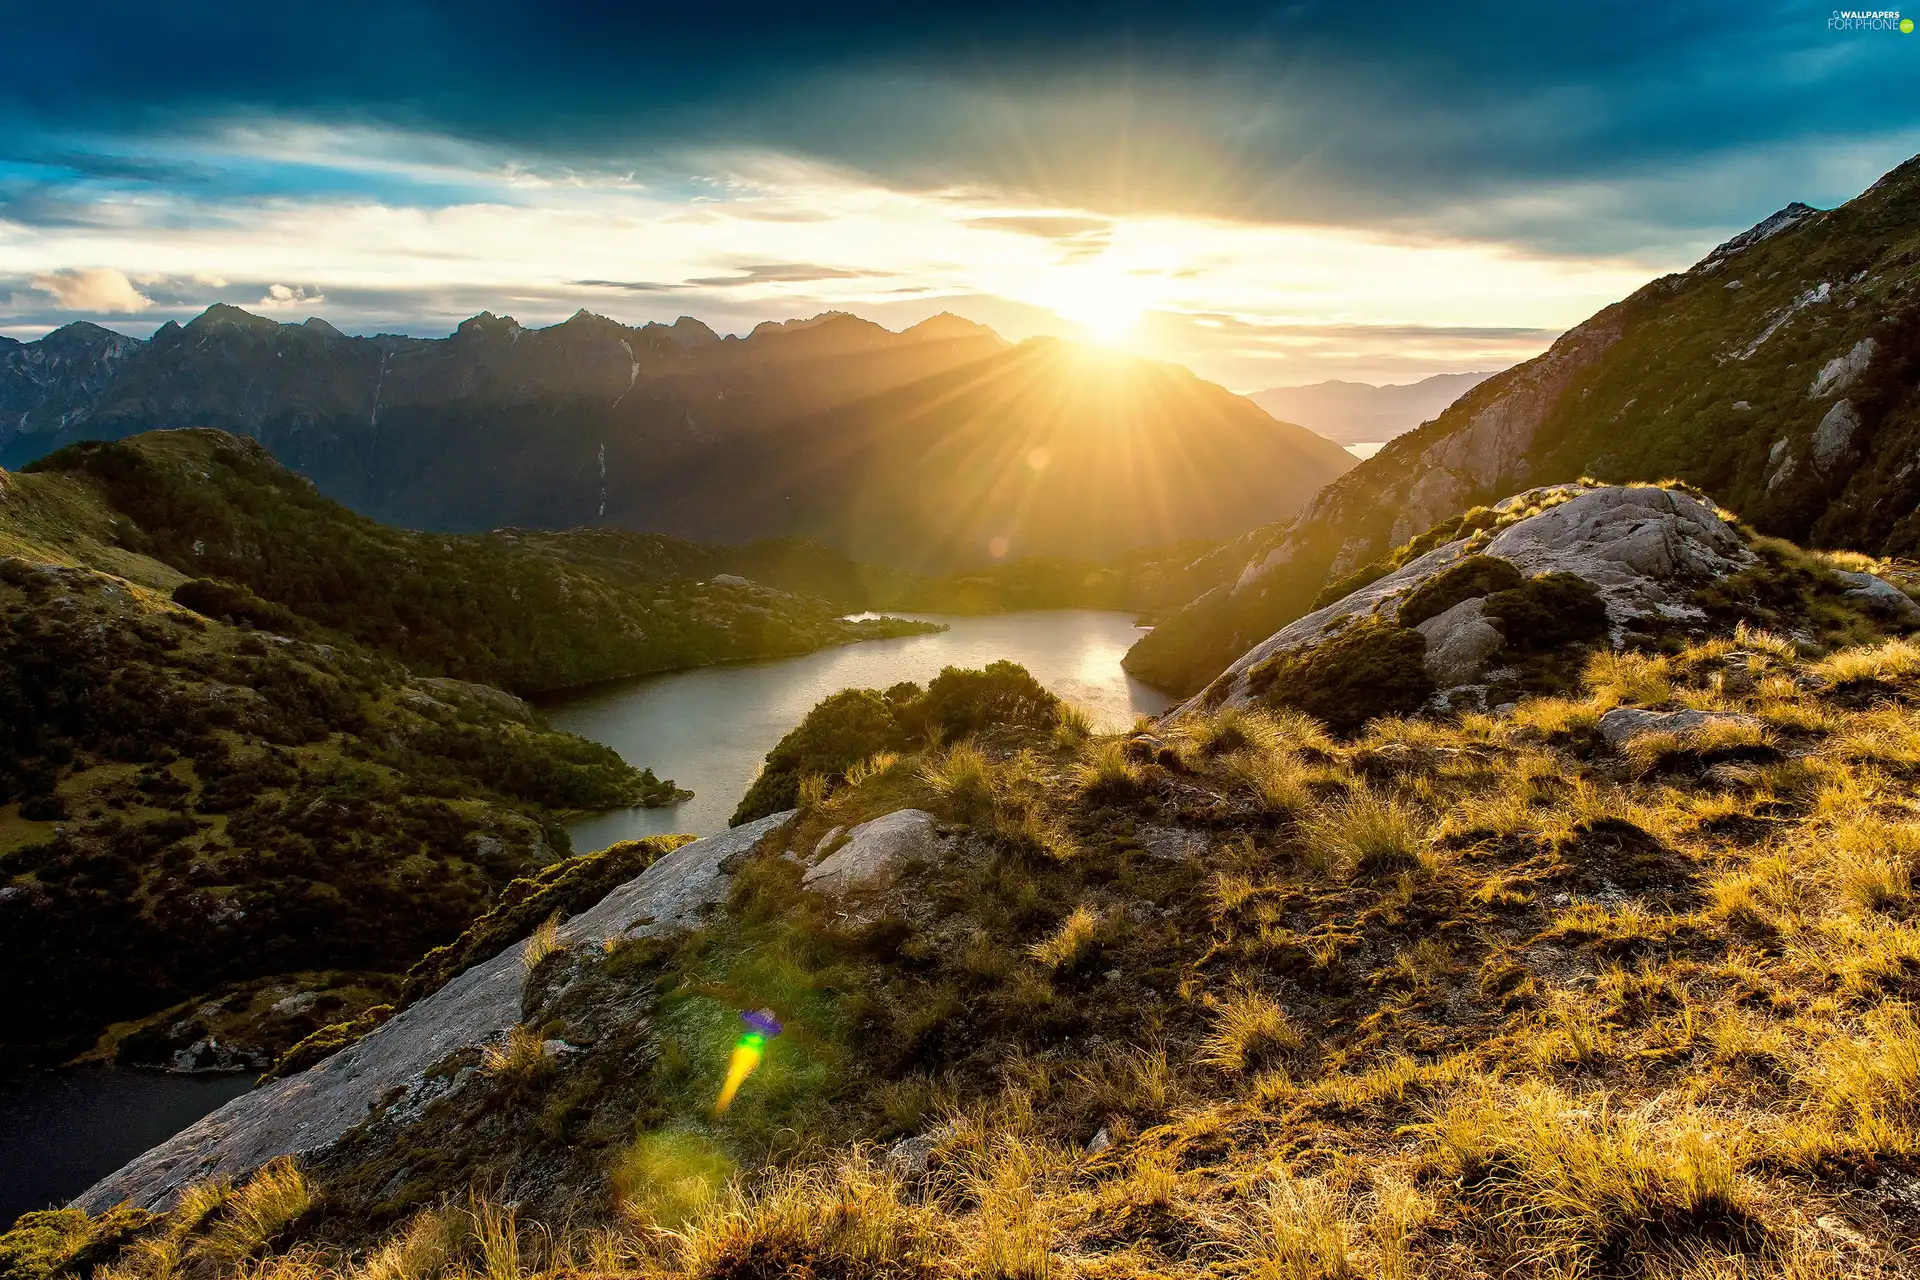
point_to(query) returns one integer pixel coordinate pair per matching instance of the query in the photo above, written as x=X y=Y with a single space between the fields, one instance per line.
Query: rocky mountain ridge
x=935 y=449
x=1776 y=374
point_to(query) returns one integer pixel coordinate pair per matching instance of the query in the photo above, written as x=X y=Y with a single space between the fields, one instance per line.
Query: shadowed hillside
x=915 y=450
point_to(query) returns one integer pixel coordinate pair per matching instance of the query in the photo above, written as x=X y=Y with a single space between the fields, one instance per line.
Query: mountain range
x=939 y=448
x=1361 y=412
x=1777 y=374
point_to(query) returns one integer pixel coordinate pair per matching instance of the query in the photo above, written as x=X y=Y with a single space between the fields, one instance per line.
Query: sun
x=1105 y=303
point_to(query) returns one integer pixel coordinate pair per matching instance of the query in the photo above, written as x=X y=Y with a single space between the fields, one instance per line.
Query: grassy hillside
x=1468 y=998
x=1777 y=374
x=526 y=612
x=192 y=807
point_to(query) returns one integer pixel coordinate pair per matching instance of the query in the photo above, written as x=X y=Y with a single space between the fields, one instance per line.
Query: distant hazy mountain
x=938 y=448
x=1360 y=412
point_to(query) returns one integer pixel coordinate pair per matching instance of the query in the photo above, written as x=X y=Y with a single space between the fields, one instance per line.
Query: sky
x=1272 y=194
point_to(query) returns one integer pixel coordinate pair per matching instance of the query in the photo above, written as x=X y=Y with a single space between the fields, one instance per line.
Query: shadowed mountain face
x=937 y=448
x=1778 y=374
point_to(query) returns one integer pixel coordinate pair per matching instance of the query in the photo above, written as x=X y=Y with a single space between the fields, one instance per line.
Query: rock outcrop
x=1643 y=549
x=303 y=1113
x=874 y=852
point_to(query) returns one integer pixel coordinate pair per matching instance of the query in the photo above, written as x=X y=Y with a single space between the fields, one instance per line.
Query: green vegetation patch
x=1548 y=610
x=1463 y=580
x=1372 y=668
x=854 y=724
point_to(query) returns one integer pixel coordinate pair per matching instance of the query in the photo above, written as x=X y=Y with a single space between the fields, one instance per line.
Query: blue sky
x=1270 y=193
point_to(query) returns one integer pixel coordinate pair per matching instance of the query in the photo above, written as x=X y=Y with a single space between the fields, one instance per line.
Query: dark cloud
x=1458 y=116
x=629 y=286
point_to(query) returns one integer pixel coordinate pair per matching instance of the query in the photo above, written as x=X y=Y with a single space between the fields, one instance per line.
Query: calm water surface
x=65 y=1130
x=709 y=729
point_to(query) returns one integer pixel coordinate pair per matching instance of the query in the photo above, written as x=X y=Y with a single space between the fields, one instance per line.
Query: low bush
x=1463 y=580
x=1373 y=668
x=1548 y=610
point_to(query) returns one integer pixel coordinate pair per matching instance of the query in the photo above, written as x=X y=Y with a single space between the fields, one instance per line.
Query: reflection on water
x=63 y=1131
x=709 y=729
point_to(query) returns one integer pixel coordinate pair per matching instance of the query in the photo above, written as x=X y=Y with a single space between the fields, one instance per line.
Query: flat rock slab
x=875 y=850
x=304 y=1112
x=1623 y=724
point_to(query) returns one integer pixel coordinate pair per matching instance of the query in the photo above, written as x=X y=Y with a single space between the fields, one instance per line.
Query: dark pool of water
x=62 y=1131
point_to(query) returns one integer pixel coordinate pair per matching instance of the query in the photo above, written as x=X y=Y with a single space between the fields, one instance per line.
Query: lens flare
x=748 y=1050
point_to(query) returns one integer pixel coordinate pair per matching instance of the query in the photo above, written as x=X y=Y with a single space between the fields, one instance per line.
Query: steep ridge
x=1776 y=374
x=832 y=428
x=1613 y=981
x=526 y=612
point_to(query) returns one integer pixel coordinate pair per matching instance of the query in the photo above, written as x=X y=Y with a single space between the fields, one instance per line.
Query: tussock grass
x=1068 y=943
x=1250 y=1030
x=1368 y=834
x=1628 y=679
x=1279 y=781
x=1577 y=1181
x=251 y=1217
x=1887 y=663
x=521 y=1056
x=962 y=782
x=1106 y=773
x=541 y=943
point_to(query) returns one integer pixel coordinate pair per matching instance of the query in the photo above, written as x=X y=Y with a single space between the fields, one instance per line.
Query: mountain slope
x=526 y=612
x=832 y=428
x=273 y=825
x=1777 y=374
x=1359 y=412
x=1520 y=994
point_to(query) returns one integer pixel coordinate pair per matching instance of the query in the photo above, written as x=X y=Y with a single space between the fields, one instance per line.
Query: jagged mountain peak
x=1771 y=225
x=223 y=315
x=487 y=325
x=321 y=327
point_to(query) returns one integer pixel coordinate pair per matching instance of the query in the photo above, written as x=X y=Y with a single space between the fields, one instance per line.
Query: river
x=709 y=729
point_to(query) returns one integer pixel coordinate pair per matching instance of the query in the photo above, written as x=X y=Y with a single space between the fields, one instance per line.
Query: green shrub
x=1463 y=580
x=850 y=726
x=959 y=702
x=1373 y=668
x=842 y=729
x=1548 y=610
x=232 y=602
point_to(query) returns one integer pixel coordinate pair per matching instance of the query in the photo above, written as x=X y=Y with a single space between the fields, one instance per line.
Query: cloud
x=787 y=273
x=628 y=286
x=101 y=290
x=280 y=297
